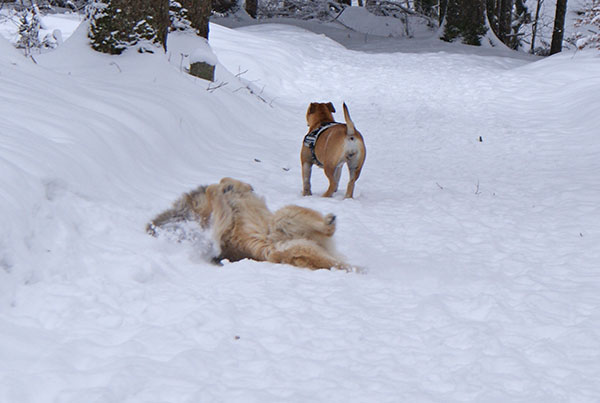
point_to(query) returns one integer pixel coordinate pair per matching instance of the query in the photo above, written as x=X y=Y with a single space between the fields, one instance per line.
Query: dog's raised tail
x=350 y=130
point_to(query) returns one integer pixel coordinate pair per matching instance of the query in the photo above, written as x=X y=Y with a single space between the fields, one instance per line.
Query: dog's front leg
x=306 y=172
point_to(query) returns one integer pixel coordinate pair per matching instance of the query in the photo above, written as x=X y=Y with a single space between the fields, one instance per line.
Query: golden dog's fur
x=338 y=145
x=243 y=227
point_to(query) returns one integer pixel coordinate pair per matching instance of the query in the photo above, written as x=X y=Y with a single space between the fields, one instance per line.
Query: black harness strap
x=311 y=139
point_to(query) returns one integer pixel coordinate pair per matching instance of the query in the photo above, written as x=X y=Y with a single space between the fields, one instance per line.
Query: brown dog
x=330 y=145
x=244 y=228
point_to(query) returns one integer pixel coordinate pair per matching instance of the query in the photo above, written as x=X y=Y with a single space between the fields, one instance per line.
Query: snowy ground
x=481 y=257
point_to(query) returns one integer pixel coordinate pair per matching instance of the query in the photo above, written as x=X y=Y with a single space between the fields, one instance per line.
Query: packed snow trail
x=481 y=256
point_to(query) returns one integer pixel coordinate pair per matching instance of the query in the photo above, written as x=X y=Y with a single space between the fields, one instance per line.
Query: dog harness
x=311 y=138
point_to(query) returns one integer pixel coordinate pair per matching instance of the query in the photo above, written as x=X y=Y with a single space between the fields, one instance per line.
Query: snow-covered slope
x=476 y=219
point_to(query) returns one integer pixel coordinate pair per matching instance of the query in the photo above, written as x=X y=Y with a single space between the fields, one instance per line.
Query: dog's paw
x=330 y=220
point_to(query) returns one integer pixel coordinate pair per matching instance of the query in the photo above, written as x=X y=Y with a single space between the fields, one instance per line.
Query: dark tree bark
x=443 y=7
x=159 y=10
x=198 y=14
x=465 y=19
x=120 y=24
x=251 y=7
x=425 y=7
x=559 y=26
x=504 y=20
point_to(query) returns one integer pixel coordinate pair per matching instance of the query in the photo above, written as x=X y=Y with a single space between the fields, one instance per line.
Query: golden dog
x=244 y=228
x=337 y=144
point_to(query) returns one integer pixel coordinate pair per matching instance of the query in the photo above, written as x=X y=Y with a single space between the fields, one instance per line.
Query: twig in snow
x=212 y=89
x=183 y=56
x=116 y=65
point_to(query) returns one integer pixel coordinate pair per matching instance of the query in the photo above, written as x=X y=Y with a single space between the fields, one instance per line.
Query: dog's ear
x=331 y=108
x=311 y=108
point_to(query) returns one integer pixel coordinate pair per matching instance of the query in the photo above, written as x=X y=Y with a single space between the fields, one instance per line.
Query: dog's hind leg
x=353 y=173
x=292 y=222
x=333 y=174
x=302 y=253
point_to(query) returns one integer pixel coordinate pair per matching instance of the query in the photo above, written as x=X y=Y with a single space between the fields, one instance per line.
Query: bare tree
x=534 y=28
x=559 y=26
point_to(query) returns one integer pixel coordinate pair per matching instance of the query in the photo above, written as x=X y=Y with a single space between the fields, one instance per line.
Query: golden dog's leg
x=292 y=222
x=306 y=254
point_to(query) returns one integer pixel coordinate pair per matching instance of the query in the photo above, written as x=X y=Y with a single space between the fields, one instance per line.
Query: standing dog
x=244 y=228
x=330 y=145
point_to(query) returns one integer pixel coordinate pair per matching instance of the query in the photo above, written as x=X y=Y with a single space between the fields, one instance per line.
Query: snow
x=203 y=54
x=476 y=218
x=360 y=20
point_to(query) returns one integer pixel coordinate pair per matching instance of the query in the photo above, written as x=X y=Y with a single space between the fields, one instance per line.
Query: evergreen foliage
x=179 y=17
x=29 y=30
x=465 y=19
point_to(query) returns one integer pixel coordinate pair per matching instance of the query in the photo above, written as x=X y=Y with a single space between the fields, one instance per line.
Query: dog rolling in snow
x=330 y=145
x=244 y=228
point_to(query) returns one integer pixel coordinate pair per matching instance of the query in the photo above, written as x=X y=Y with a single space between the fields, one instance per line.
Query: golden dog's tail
x=350 y=130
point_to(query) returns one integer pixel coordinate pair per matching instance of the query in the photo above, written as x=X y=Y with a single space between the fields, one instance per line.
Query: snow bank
x=476 y=217
x=359 y=19
x=203 y=54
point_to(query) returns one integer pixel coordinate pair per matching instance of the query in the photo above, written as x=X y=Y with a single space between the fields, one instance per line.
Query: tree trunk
x=535 y=24
x=465 y=19
x=159 y=9
x=443 y=7
x=120 y=24
x=504 y=20
x=199 y=14
x=251 y=6
x=559 y=26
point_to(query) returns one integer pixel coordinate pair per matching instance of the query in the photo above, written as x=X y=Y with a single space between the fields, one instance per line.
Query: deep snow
x=481 y=257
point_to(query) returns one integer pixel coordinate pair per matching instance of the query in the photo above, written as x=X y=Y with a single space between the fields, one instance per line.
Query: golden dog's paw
x=330 y=220
x=234 y=185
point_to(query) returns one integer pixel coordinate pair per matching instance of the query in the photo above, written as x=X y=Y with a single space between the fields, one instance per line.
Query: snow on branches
x=590 y=20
